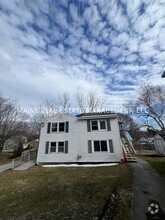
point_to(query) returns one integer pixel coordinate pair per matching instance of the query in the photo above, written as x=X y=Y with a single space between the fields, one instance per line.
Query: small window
x=53 y=147
x=94 y=125
x=61 y=126
x=100 y=146
x=54 y=127
x=61 y=147
x=102 y=125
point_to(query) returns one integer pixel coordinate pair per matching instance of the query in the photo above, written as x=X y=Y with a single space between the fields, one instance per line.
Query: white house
x=86 y=138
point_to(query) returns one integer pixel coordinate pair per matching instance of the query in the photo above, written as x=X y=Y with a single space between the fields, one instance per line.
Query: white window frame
x=105 y=125
x=50 y=147
x=58 y=125
x=51 y=127
x=93 y=149
x=98 y=124
x=58 y=147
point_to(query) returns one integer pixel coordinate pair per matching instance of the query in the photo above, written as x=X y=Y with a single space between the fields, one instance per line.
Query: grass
x=157 y=162
x=64 y=193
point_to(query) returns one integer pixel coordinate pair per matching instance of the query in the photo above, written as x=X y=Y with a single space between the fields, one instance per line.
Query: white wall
x=78 y=142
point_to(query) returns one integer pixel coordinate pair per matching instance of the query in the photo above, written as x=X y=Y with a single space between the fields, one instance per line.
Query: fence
x=148 y=146
x=25 y=157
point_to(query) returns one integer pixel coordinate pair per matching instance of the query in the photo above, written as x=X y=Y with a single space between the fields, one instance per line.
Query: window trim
x=98 y=125
x=93 y=149
x=63 y=147
x=50 y=147
x=52 y=126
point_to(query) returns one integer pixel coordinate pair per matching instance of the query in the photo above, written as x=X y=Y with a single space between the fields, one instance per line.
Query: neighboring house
x=33 y=144
x=143 y=140
x=13 y=143
x=89 y=137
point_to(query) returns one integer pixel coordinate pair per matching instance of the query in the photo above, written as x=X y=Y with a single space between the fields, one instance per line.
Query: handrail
x=125 y=137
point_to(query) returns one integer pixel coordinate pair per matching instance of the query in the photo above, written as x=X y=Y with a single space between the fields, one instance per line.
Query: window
x=61 y=147
x=54 y=127
x=100 y=146
x=104 y=146
x=102 y=125
x=94 y=125
x=98 y=125
x=53 y=147
x=61 y=126
x=96 y=146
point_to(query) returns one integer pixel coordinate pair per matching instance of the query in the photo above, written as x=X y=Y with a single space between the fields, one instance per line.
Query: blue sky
x=48 y=46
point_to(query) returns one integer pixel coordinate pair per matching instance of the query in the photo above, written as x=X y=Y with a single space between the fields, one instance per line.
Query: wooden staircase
x=128 y=149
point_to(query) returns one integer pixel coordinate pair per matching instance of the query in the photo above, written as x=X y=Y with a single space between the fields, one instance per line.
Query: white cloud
x=59 y=46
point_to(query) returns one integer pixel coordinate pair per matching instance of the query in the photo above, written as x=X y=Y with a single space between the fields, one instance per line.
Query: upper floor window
x=59 y=127
x=98 y=125
x=54 y=127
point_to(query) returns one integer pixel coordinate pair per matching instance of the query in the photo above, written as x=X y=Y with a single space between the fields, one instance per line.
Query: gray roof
x=95 y=113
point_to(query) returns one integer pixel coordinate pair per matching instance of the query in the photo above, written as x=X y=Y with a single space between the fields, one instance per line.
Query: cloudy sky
x=50 y=46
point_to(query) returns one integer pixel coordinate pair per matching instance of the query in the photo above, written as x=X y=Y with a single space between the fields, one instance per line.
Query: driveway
x=5 y=167
x=149 y=192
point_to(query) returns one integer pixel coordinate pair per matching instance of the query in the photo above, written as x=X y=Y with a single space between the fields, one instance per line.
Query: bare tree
x=45 y=110
x=80 y=99
x=11 y=120
x=153 y=97
x=90 y=102
x=64 y=100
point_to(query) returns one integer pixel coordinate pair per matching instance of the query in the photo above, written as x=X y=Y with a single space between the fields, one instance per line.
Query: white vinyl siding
x=79 y=141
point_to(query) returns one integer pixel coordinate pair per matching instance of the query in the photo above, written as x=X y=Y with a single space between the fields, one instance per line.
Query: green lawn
x=157 y=162
x=64 y=193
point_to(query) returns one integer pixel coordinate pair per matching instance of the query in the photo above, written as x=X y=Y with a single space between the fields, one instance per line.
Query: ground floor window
x=53 y=147
x=61 y=147
x=56 y=147
x=100 y=145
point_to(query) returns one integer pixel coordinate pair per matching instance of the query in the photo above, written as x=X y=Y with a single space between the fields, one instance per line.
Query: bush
x=18 y=151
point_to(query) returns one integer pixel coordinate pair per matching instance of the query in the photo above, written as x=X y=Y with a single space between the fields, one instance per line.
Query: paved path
x=5 y=167
x=25 y=166
x=149 y=192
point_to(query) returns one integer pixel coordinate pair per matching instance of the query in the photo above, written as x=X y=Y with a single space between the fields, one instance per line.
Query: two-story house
x=85 y=138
